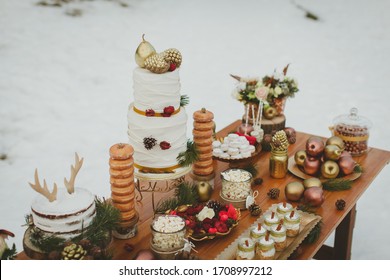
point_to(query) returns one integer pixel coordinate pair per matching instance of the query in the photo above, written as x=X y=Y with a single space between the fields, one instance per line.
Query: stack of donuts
x=122 y=182
x=203 y=138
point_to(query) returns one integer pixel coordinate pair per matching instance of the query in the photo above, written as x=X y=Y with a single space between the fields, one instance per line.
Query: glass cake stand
x=160 y=183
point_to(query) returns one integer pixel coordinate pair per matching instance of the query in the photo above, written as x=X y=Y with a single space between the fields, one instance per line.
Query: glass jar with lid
x=354 y=130
x=236 y=187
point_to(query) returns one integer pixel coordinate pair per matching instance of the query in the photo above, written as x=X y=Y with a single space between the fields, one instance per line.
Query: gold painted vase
x=278 y=163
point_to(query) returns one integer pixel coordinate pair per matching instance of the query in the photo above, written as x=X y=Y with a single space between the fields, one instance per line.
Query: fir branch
x=186 y=194
x=358 y=169
x=184 y=100
x=189 y=156
x=46 y=242
x=9 y=254
x=338 y=184
x=314 y=234
x=306 y=208
x=166 y=204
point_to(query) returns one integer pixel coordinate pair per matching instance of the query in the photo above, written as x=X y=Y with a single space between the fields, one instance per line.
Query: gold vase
x=278 y=163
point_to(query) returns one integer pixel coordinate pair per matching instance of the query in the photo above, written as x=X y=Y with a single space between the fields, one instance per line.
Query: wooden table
x=342 y=222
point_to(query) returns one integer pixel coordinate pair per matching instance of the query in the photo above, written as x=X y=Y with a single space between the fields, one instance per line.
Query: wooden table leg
x=343 y=237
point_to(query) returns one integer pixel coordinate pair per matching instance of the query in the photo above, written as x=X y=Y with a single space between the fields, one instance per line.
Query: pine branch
x=339 y=184
x=189 y=156
x=9 y=254
x=45 y=242
x=314 y=234
x=184 y=100
x=166 y=204
x=186 y=194
x=358 y=169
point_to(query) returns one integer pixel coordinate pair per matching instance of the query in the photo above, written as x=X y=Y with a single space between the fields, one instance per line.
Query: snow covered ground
x=65 y=82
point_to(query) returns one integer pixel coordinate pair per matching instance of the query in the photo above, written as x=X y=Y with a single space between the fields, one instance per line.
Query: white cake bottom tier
x=67 y=216
x=170 y=129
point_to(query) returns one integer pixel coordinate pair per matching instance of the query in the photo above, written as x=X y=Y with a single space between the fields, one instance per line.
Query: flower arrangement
x=208 y=221
x=271 y=90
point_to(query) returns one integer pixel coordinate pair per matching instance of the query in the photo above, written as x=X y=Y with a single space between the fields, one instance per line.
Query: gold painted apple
x=330 y=169
x=294 y=191
x=335 y=140
x=270 y=112
x=311 y=165
x=300 y=157
x=312 y=182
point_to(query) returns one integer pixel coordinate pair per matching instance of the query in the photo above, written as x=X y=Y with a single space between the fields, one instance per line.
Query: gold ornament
x=173 y=56
x=144 y=50
x=204 y=191
x=279 y=141
x=294 y=191
x=156 y=64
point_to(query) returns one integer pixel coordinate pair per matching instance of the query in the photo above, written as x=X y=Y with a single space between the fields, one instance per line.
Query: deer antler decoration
x=73 y=173
x=51 y=196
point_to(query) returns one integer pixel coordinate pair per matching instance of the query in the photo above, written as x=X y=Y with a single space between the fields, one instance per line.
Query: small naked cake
x=283 y=209
x=278 y=234
x=257 y=232
x=245 y=249
x=292 y=223
x=266 y=248
x=270 y=220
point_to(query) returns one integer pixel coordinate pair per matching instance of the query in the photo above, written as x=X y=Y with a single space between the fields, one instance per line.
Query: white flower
x=278 y=90
x=205 y=213
x=236 y=95
x=262 y=93
x=241 y=86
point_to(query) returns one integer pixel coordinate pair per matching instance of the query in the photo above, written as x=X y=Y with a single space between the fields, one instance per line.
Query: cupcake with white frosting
x=270 y=220
x=266 y=248
x=245 y=249
x=283 y=209
x=257 y=232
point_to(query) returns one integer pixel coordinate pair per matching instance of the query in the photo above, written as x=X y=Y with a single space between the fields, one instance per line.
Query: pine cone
x=273 y=193
x=73 y=252
x=149 y=142
x=292 y=140
x=279 y=141
x=173 y=56
x=216 y=205
x=157 y=64
x=255 y=209
x=340 y=204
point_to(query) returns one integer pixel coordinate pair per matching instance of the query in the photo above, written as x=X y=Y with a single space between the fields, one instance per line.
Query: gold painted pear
x=335 y=140
x=332 y=152
x=144 y=50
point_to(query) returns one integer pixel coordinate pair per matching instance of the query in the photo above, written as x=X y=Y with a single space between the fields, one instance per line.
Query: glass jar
x=257 y=232
x=292 y=223
x=236 y=184
x=168 y=233
x=282 y=209
x=245 y=249
x=278 y=234
x=266 y=248
x=278 y=164
x=354 y=130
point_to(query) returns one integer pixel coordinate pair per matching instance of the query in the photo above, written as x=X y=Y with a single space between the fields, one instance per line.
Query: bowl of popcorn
x=236 y=187
x=235 y=148
x=168 y=233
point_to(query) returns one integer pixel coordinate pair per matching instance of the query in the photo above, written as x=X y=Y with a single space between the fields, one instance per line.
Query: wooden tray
x=308 y=221
x=295 y=170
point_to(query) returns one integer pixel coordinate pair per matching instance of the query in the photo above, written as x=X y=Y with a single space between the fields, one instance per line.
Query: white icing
x=281 y=210
x=265 y=242
x=233 y=136
x=156 y=91
x=233 y=151
x=224 y=147
x=216 y=144
x=172 y=129
x=77 y=209
x=275 y=234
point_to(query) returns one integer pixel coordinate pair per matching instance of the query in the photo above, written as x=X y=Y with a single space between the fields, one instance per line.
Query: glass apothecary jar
x=168 y=233
x=236 y=187
x=354 y=130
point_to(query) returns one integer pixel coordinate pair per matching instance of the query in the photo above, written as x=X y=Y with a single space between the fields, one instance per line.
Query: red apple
x=311 y=165
x=314 y=196
x=347 y=164
x=314 y=146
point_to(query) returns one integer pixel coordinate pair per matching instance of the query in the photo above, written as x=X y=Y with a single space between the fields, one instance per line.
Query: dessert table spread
x=333 y=220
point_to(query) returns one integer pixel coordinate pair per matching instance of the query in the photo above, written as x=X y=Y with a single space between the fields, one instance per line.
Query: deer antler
x=73 y=172
x=238 y=78
x=51 y=196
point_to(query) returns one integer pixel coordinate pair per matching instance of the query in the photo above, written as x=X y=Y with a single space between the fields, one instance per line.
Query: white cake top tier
x=156 y=91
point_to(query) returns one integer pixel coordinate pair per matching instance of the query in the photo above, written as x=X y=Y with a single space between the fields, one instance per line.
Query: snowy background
x=66 y=82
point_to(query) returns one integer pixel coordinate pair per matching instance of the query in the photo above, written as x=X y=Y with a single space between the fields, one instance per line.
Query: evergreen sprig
x=338 y=184
x=314 y=234
x=185 y=194
x=358 y=169
x=189 y=156
x=184 y=100
x=9 y=253
x=46 y=242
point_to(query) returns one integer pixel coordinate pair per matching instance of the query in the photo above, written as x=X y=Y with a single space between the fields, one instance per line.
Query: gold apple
x=294 y=191
x=204 y=191
x=335 y=140
x=144 y=50
x=330 y=169
x=270 y=112
x=332 y=152
x=300 y=157
x=312 y=182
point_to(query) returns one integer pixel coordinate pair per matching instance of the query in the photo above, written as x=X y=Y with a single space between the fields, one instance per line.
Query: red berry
x=172 y=67
x=164 y=145
x=168 y=111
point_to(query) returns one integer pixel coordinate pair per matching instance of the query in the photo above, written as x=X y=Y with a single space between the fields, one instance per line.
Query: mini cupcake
x=292 y=223
x=266 y=248
x=283 y=209
x=257 y=232
x=245 y=249
x=270 y=220
x=278 y=234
